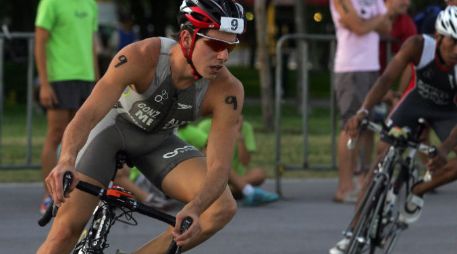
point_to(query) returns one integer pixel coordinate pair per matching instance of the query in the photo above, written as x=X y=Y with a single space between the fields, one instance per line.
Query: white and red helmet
x=223 y=15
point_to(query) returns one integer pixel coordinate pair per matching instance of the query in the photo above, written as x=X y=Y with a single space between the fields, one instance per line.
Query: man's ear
x=185 y=38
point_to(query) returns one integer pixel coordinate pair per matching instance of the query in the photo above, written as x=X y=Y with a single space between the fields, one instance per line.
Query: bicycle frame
x=104 y=214
x=369 y=228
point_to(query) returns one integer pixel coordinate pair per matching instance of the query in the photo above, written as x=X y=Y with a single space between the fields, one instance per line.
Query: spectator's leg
x=57 y=120
x=346 y=160
x=122 y=179
x=365 y=151
x=255 y=176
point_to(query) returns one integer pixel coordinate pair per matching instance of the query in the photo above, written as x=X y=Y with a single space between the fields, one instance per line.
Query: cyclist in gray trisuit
x=433 y=97
x=150 y=88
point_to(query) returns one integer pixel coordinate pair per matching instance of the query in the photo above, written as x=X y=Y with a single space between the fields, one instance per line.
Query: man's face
x=448 y=50
x=212 y=51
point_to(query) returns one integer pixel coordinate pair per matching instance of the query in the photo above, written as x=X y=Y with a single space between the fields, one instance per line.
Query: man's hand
x=184 y=238
x=439 y=161
x=54 y=182
x=48 y=98
x=352 y=125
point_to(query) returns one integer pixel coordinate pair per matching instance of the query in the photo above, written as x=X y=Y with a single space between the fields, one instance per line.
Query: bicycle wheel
x=368 y=217
x=390 y=226
x=95 y=240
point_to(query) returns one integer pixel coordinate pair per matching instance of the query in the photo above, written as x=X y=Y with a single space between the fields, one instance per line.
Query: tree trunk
x=264 y=64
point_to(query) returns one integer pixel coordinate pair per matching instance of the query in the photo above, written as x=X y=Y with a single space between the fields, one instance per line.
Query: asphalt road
x=306 y=221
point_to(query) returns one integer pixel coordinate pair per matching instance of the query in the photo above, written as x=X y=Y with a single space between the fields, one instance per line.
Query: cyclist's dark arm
x=410 y=52
x=105 y=94
x=447 y=146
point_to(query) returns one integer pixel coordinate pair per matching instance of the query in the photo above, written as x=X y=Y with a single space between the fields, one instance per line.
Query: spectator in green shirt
x=67 y=67
x=244 y=182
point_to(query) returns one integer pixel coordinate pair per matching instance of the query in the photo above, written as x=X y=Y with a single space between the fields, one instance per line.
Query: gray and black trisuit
x=142 y=125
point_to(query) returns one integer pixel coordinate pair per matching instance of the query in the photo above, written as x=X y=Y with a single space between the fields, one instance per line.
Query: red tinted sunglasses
x=219 y=45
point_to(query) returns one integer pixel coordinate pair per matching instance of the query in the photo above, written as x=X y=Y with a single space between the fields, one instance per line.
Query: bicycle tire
x=95 y=240
x=368 y=210
x=390 y=230
x=389 y=227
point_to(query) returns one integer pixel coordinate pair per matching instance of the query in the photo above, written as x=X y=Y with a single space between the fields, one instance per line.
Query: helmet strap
x=188 y=54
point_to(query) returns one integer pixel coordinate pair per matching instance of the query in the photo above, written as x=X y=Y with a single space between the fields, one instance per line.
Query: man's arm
x=47 y=96
x=95 y=56
x=226 y=106
x=440 y=160
x=409 y=52
x=359 y=26
x=123 y=70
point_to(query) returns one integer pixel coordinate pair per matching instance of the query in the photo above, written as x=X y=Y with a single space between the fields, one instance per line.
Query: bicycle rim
x=368 y=212
x=391 y=241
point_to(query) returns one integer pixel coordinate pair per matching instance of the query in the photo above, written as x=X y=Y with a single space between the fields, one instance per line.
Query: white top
x=354 y=52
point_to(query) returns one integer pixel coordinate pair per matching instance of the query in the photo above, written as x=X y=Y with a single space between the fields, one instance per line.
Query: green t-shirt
x=193 y=135
x=69 y=50
x=248 y=134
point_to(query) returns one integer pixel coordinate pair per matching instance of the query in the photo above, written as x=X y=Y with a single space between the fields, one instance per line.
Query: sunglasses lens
x=219 y=46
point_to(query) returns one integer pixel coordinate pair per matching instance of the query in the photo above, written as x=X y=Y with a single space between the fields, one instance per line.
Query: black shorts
x=154 y=154
x=71 y=94
x=351 y=88
x=412 y=107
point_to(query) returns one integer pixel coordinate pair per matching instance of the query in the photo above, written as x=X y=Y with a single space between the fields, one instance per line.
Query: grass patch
x=14 y=142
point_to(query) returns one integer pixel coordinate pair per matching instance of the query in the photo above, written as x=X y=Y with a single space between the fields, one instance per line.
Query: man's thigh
x=185 y=180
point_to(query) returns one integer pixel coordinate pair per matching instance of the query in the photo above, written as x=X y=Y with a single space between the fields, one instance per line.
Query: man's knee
x=220 y=214
x=65 y=235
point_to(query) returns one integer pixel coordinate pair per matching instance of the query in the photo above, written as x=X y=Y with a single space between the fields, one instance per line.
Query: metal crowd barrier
x=27 y=163
x=280 y=166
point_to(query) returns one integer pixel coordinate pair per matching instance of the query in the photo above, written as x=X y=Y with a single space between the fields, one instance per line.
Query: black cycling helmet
x=224 y=15
x=196 y=15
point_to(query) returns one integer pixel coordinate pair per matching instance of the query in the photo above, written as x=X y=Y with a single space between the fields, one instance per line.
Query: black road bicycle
x=376 y=226
x=116 y=205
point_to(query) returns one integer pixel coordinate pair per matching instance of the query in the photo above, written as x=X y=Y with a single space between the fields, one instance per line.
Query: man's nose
x=223 y=55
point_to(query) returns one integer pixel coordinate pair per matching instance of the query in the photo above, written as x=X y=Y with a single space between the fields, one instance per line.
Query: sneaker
x=259 y=197
x=45 y=204
x=340 y=246
x=412 y=209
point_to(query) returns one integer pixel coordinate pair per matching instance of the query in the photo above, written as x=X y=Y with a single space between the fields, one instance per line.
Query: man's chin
x=210 y=76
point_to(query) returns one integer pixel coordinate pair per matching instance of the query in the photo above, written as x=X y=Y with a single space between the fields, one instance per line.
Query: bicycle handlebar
x=430 y=151
x=101 y=193
x=51 y=211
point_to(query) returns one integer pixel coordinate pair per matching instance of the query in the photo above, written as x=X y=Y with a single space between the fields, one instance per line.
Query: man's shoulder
x=227 y=80
x=149 y=48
